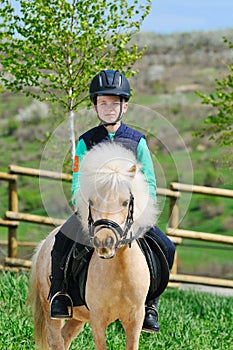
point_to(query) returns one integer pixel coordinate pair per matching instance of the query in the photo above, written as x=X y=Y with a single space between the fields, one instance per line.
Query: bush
x=211 y=207
x=12 y=127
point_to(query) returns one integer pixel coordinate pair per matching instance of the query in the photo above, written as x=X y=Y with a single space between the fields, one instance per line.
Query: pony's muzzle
x=104 y=243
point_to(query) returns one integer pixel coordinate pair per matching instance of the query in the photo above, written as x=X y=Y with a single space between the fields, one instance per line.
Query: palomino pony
x=115 y=209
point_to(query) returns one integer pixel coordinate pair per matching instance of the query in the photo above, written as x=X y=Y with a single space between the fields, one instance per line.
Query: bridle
x=120 y=234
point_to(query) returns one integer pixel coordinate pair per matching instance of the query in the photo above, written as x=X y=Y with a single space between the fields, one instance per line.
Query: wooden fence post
x=13 y=206
x=173 y=224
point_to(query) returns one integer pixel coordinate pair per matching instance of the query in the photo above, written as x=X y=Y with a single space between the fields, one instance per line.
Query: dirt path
x=207 y=289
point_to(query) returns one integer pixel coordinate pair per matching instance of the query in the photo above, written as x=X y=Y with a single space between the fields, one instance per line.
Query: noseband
x=120 y=234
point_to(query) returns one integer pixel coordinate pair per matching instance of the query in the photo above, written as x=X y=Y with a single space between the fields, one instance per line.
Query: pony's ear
x=132 y=170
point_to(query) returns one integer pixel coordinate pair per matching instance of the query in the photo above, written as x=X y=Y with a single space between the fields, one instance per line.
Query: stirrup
x=58 y=294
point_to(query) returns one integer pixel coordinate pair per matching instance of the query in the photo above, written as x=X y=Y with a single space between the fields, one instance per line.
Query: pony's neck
x=123 y=252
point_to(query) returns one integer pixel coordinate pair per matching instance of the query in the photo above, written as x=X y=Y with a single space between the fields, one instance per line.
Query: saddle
x=80 y=259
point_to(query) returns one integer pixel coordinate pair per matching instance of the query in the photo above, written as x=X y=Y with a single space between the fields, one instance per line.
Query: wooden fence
x=13 y=218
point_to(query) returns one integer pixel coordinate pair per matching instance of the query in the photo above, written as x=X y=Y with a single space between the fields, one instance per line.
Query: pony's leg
x=133 y=329
x=132 y=338
x=99 y=331
x=55 y=339
x=70 y=330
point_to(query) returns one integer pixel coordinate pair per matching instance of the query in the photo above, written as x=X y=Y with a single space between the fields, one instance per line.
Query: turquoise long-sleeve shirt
x=143 y=157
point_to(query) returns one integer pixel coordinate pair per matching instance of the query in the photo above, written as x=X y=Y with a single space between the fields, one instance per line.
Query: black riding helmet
x=109 y=82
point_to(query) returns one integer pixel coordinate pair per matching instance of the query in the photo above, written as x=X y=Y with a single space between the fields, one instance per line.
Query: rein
x=120 y=234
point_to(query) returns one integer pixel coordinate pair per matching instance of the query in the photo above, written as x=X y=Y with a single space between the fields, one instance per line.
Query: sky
x=170 y=16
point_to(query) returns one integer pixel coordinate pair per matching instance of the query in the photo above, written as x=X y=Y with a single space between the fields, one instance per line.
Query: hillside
x=181 y=63
x=173 y=67
x=171 y=70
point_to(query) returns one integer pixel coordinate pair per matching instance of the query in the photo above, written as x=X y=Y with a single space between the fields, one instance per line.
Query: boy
x=109 y=93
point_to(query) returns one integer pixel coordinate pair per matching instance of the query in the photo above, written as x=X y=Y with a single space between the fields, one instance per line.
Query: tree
x=51 y=49
x=219 y=125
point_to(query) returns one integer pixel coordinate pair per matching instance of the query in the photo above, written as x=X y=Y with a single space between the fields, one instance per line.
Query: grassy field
x=188 y=321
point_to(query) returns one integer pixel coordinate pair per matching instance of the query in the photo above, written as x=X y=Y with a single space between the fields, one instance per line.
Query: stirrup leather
x=152 y=307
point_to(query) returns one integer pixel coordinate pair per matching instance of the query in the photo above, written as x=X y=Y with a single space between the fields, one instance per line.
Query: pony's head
x=113 y=202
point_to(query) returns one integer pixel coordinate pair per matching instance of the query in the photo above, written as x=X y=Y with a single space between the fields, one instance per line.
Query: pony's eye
x=91 y=203
x=125 y=203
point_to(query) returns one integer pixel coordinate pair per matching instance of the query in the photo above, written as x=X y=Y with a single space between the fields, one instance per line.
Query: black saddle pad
x=78 y=276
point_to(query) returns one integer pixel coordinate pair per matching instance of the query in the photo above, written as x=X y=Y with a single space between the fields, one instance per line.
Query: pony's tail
x=40 y=329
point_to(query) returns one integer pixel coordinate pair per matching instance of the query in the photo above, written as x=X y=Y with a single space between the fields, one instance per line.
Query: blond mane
x=111 y=168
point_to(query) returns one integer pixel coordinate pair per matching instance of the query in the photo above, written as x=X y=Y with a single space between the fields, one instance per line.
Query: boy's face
x=109 y=108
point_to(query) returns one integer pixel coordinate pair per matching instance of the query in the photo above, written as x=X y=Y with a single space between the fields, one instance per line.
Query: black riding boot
x=59 y=299
x=150 y=323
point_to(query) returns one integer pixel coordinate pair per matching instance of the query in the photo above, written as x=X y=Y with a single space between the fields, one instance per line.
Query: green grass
x=188 y=320
x=165 y=99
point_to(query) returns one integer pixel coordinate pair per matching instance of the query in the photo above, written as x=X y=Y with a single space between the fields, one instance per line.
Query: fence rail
x=13 y=217
x=36 y=219
x=201 y=236
x=211 y=191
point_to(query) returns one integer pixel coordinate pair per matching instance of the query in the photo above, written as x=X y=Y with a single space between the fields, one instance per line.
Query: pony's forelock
x=112 y=168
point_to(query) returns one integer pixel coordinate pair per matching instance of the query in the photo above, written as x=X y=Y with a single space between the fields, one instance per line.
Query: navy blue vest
x=129 y=138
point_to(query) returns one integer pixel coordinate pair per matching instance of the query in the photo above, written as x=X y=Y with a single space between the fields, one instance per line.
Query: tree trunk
x=72 y=135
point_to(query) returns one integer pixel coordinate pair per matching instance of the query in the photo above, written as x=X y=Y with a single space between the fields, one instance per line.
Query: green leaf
x=219 y=125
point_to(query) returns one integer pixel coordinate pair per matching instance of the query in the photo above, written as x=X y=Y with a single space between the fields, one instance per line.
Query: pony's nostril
x=106 y=243
x=109 y=242
x=96 y=242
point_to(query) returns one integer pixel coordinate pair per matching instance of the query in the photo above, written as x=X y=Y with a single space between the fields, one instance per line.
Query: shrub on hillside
x=34 y=113
x=211 y=178
x=12 y=127
x=211 y=207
